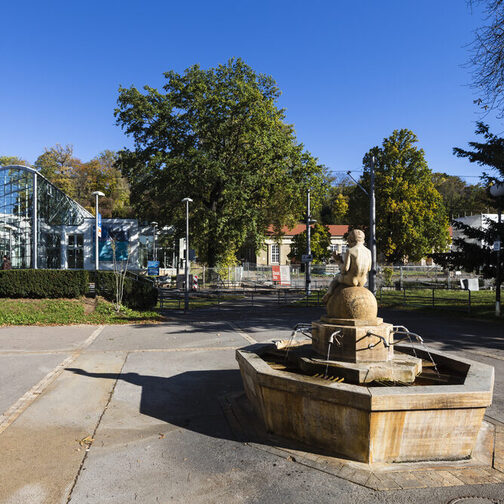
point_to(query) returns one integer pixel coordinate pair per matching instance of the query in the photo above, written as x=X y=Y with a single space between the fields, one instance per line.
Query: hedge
x=29 y=283
x=139 y=294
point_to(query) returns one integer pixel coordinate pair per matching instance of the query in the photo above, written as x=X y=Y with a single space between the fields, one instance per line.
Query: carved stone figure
x=355 y=266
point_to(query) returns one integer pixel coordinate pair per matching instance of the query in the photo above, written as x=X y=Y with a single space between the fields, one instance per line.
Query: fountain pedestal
x=351 y=339
x=360 y=347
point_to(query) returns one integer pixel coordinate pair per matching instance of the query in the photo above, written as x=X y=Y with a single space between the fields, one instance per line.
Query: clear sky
x=350 y=72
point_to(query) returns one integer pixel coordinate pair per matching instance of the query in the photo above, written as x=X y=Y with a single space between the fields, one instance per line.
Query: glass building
x=33 y=213
x=42 y=227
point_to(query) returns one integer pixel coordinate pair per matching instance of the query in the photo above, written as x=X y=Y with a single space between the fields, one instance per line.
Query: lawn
x=69 y=311
x=482 y=304
x=475 y=304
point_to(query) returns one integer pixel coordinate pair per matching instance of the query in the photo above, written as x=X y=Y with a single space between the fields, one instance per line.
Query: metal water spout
x=386 y=344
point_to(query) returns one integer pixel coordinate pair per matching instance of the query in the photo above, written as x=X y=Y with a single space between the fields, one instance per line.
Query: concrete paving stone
x=407 y=480
x=380 y=481
x=40 y=454
x=469 y=476
x=29 y=338
x=167 y=336
x=19 y=373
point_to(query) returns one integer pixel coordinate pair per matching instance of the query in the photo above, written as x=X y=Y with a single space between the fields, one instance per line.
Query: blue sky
x=350 y=72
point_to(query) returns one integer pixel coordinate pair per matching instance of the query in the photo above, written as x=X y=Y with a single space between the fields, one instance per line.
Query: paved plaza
x=127 y=414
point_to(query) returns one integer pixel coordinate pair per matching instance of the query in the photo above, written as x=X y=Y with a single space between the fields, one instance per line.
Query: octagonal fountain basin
x=438 y=417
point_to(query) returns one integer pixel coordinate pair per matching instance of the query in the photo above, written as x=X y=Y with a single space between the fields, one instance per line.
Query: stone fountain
x=355 y=391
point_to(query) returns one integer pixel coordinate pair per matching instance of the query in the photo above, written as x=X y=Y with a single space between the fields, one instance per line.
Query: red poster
x=276 y=273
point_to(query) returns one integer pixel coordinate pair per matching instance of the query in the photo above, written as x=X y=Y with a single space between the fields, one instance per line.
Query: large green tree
x=411 y=220
x=218 y=137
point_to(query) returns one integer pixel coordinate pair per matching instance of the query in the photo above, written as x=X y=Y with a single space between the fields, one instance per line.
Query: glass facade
x=33 y=214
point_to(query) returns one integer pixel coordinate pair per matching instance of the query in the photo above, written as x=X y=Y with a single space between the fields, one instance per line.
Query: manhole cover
x=474 y=500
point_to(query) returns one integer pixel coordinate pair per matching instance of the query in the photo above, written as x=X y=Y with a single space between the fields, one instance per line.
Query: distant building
x=276 y=252
x=42 y=227
x=478 y=221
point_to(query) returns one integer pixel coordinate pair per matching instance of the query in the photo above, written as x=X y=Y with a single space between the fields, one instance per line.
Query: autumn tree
x=218 y=137
x=320 y=240
x=12 y=160
x=57 y=165
x=459 y=197
x=101 y=174
x=411 y=220
x=334 y=206
x=80 y=179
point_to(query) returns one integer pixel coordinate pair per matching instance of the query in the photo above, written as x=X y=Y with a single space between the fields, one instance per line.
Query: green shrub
x=33 y=284
x=387 y=275
x=139 y=294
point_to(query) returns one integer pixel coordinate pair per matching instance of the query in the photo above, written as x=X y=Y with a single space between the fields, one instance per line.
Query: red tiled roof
x=335 y=229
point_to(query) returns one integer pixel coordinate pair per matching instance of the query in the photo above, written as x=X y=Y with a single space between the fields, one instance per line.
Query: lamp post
x=154 y=251
x=309 y=222
x=186 y=293
x=372 y=227
x=96 y=194
x=372 y=223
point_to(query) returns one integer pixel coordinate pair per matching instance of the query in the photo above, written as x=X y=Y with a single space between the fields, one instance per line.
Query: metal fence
x=251 y=276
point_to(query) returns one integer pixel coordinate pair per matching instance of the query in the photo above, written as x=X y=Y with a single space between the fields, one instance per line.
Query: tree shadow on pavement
x=195 y=400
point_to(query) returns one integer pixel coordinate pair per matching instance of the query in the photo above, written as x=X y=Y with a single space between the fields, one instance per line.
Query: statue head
x=356 y=236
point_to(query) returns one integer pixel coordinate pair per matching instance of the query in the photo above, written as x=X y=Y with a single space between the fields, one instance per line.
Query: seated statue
x=355 y=266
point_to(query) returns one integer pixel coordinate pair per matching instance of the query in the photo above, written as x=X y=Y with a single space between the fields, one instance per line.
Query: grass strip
x=69 y=311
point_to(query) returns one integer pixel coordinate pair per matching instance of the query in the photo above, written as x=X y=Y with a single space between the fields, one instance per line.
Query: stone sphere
x=352 y=303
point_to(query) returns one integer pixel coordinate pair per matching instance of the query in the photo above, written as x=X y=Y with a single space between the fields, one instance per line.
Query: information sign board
x=285 y=275
x=153 y=268
x=275 y=270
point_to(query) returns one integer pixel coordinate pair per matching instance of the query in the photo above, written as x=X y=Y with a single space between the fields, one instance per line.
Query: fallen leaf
x=161 y=436
x=87 y=441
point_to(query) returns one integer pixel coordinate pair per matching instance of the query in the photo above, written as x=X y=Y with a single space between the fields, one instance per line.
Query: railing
x=248 y=296
x=456 y=299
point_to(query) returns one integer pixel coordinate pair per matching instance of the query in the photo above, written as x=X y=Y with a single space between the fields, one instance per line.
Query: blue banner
x=153 y=268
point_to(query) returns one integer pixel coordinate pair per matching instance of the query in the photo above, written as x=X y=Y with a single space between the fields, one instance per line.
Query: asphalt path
x=127 y=414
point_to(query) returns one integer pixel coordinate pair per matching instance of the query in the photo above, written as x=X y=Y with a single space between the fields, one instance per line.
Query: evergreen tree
x=475 y=251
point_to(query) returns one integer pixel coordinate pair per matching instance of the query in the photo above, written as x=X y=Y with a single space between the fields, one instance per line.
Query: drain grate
x=475 y=500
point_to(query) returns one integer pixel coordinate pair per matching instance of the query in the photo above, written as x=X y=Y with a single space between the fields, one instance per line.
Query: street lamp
x=96 y=194
x=154 y=252
x=186 y=293
x=372 y=223
x=309 y=222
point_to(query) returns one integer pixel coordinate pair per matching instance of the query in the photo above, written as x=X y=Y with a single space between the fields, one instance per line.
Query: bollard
x=433 y=301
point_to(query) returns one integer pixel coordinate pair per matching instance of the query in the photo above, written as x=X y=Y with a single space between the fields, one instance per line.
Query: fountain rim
x=475 y=392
